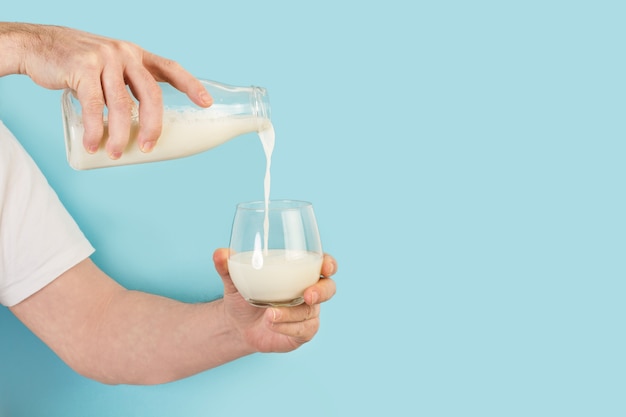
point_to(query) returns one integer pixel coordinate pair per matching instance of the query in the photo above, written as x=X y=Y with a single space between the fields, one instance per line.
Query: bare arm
x=114 y=335
x=98 y=69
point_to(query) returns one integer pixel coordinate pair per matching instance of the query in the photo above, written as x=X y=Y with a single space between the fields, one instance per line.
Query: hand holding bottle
x=98 y=69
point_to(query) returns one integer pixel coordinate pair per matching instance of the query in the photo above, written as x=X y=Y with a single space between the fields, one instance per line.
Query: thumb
x=220 y=259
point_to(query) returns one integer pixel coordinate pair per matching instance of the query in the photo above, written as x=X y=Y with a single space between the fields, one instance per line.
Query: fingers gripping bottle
x=187 y=129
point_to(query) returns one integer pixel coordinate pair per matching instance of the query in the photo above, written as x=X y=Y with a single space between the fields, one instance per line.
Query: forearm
x=147 y=339
x=118 y=336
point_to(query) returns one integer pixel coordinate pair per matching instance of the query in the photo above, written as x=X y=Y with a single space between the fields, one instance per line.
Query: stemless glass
x=275 y=254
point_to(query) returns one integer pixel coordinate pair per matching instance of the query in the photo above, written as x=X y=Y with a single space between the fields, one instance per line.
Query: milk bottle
x=187 y=129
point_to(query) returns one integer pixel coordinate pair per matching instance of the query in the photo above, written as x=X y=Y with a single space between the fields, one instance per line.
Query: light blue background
x=466 y=164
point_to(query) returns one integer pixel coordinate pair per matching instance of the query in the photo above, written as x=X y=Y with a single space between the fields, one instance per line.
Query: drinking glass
x=275 y=251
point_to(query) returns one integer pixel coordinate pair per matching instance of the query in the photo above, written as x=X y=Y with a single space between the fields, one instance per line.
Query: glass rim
x=281 y=205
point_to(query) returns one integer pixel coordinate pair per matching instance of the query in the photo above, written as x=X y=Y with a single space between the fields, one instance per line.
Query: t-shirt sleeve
x=39 y=240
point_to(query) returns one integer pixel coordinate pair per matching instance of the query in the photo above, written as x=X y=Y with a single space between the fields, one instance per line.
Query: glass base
x=287 y=303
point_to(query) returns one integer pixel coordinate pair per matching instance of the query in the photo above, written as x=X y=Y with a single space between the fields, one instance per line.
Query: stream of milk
x=268 y=138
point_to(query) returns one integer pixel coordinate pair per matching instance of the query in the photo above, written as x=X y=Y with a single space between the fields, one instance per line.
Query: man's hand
x=98 y=69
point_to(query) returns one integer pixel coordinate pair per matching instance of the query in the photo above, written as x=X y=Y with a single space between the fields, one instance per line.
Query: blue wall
x=466 y=164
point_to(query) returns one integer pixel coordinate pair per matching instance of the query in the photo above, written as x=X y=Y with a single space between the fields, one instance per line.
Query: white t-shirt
x=39 y=240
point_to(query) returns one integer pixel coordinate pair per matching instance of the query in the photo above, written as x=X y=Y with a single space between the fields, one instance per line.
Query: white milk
x=183 y=134
x=268 y=138
x=282 y=278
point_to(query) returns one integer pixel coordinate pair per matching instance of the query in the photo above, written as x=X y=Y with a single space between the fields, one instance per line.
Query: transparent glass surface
x=275 y=254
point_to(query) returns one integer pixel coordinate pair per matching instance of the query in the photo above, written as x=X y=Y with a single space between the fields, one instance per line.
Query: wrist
x=15 y=40
x=231 y=341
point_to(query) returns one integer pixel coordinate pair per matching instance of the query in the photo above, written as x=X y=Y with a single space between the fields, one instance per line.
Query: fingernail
x=115 y=155
x=206 y=98
x=329 y=272
x=276 y=314
x=147 y=146
x=92 y=148
x=315 y=298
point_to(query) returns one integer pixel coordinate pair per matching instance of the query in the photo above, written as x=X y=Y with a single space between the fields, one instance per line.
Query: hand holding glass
x=274 y=258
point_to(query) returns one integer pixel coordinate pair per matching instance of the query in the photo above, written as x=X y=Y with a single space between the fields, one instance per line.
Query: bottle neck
x=260 y=105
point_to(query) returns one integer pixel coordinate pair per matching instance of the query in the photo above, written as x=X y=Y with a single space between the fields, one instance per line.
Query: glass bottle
x=187 y=128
